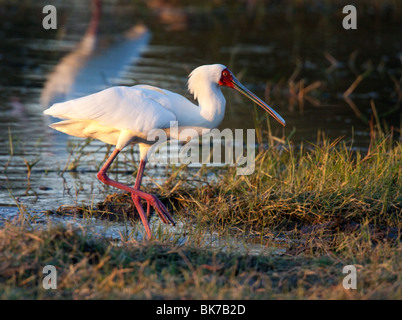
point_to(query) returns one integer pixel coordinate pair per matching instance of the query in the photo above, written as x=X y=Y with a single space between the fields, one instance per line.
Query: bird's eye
x=225 y=73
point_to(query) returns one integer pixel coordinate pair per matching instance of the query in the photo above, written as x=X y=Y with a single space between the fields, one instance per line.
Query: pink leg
x=151 y=199
x=155 y=202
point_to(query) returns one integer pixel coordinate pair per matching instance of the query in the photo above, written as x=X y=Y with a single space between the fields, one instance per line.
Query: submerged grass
x=332 y=205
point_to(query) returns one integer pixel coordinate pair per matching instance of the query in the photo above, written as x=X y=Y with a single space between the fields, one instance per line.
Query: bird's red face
x=226 y=78
x=229 y=80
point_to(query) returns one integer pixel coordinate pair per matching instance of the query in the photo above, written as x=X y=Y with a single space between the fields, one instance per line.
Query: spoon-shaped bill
x=242 y=89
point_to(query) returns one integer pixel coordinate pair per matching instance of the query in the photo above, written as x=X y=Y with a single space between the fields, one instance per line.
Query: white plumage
x=124 y=115
x=104 y=115
x=134 y=111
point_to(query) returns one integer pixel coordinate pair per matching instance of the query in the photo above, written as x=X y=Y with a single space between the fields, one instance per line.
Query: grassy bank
x=332 y=206
x=93 y=269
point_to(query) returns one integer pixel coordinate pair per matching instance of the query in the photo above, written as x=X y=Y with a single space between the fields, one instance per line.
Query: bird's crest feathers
x=202 y=77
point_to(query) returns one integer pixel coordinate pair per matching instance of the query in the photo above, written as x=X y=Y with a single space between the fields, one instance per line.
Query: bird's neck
x=212 y=104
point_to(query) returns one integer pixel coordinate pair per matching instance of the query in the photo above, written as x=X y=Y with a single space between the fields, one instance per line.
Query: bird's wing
x=187 y=113
x=123 y=108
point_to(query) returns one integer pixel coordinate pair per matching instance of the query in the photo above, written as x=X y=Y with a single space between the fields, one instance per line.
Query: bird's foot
x=158 y=206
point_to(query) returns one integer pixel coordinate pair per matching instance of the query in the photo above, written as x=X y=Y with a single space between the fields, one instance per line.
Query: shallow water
x=272 y=51
x=119 y=232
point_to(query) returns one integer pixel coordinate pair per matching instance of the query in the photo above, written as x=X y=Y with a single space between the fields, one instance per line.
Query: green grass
x=330 y=207
x=307 y=186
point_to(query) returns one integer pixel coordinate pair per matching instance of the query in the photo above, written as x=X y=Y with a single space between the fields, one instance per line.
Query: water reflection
x=88 y=68
x=169 y=14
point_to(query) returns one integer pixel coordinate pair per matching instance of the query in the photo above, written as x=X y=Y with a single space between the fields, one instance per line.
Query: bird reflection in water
x=88 y=69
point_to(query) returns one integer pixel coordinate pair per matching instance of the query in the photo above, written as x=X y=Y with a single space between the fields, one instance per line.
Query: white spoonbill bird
x=125 y=115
